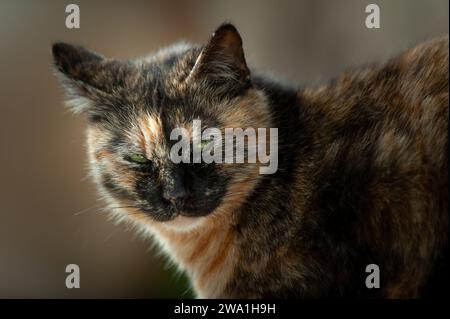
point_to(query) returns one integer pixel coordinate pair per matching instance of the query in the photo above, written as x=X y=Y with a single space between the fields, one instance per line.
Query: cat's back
x=381 y=162
x=405 y=99
x=423 y=88
x=417 y=103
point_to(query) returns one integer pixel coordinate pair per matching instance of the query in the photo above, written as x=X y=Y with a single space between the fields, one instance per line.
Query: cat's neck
x=204 y=249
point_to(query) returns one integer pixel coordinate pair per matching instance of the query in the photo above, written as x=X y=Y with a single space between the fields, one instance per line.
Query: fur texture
x=362 y=177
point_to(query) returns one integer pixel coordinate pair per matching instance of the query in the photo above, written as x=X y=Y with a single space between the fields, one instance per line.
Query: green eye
x=203 y=144
x=138 y=158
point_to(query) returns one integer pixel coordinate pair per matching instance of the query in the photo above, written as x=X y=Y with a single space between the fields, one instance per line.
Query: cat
x=362 y=172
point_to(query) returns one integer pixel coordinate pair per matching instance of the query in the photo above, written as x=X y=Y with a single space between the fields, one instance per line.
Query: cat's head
x=133 y=106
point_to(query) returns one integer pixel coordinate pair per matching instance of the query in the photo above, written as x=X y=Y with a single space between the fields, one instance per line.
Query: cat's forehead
x=158 y=126
x=168 y=68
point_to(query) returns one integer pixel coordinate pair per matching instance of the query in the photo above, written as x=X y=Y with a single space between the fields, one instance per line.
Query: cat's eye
x=204 y=143
x=138 y=158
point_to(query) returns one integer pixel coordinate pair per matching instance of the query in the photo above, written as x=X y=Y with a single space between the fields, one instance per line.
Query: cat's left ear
x=87 y=77
x=222 y=60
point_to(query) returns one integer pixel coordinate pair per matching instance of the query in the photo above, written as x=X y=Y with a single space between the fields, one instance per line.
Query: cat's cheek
x=113 y=179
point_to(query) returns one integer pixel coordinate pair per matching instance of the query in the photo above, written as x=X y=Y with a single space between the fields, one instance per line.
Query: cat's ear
x=75 y=61
x=85 y=75
x=222 y=60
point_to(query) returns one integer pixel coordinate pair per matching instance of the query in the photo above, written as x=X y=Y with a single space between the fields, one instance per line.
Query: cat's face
x=133 y=106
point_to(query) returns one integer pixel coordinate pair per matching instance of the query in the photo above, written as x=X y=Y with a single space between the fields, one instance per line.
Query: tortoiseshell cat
x=362 y=168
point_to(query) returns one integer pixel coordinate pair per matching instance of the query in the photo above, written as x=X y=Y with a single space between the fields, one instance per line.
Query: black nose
x=173 y=189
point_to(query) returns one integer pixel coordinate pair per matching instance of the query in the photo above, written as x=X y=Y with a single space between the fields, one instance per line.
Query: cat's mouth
x=190 y=209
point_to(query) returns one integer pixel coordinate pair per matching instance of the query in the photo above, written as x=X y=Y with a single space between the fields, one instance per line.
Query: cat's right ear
x=85 y=75
x=222 y=62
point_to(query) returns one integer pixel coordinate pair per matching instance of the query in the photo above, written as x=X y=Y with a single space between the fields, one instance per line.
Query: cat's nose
x=173 y=189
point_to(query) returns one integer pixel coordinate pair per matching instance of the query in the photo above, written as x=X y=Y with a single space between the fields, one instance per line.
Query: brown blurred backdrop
x=49 y=214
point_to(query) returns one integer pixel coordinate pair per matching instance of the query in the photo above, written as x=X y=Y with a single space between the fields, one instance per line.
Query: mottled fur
x=362 y=178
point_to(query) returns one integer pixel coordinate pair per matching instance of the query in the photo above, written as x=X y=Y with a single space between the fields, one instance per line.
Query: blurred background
x=49 y=213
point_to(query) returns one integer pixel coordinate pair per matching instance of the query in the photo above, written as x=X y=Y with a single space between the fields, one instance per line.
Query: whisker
x=118 y=207
x=86 y=210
